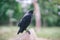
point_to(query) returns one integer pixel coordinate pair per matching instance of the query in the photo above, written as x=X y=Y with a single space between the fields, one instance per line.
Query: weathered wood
x=26 y=36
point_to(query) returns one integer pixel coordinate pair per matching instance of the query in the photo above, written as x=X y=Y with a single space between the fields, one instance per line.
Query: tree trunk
x=37 y=14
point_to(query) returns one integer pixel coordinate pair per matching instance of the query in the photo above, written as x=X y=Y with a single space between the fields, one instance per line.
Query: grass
x=50 y=32
x=45 y=32
x=7 y=32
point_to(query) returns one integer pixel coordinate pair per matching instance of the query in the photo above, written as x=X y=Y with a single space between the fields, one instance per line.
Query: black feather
x=24 y=23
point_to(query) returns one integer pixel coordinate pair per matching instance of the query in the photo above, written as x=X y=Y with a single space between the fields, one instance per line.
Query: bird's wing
x=25 y=20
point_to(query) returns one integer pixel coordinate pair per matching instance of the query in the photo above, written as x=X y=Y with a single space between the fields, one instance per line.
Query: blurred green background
x=11 y=12
x=49 y=12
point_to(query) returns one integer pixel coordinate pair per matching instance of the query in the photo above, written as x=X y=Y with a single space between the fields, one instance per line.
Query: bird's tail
x=19 y=31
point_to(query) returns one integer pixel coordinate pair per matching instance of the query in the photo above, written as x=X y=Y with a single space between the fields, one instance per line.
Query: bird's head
x=31 y=11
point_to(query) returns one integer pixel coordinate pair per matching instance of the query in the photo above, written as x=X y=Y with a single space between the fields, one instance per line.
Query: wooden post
x=26 y=36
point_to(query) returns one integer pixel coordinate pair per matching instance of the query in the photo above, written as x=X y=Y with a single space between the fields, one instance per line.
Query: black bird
x=24 y=23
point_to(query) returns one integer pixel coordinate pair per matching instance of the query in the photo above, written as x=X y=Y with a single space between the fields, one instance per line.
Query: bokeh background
x=11 y=11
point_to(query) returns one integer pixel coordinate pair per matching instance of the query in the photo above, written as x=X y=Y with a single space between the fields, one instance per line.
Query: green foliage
x=49 y=11
x=18 y=12
x=5 y=5
x=52 y=20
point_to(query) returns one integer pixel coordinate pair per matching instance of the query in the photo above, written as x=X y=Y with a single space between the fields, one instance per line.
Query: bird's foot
x=28 y=32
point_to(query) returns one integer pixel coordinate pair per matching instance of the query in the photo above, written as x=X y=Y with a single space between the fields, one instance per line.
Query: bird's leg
x=28 y=31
